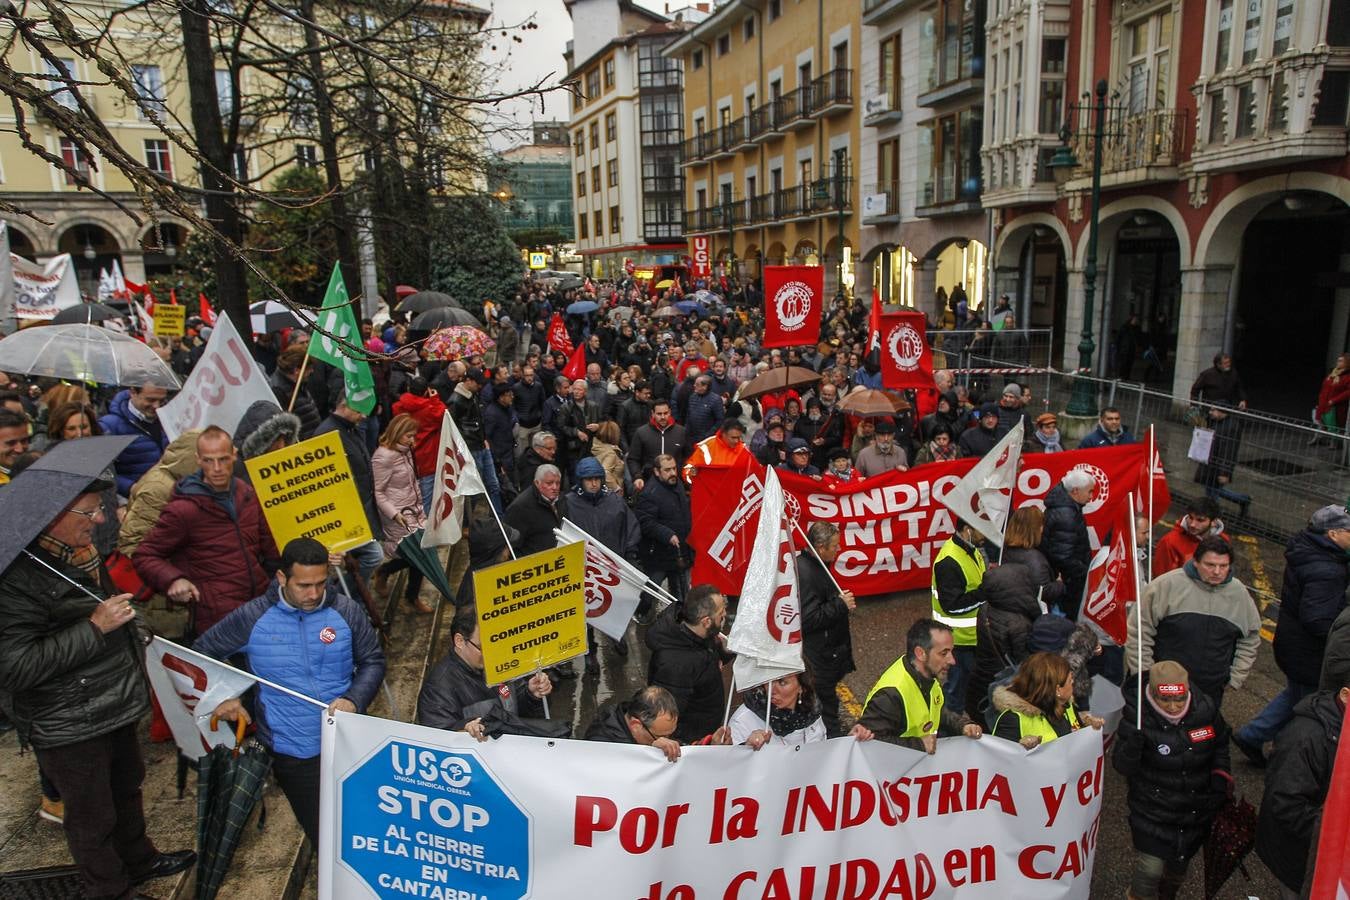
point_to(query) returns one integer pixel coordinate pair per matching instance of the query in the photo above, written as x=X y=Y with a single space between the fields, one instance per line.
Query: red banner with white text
x=891 y=526
x=794 y=297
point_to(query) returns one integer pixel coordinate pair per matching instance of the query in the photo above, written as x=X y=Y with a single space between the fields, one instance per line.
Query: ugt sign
x=702 y=256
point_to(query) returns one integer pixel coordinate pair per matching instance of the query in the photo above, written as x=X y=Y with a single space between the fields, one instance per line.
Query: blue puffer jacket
x=142 y=454
x=706 y=412
x=328 y=653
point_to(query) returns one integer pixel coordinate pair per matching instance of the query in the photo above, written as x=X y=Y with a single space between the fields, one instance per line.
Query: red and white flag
x=558 y=338
x=576 y=364
x=767 y=633
x=189 y=687
x=906 y=359
x=1162 y=497
x=1113 y=577
x=983 y=497
x=457 y=476
x=874 y=323
x=725 y=507
x=613 y=587
x=208 y=315
x=1331 y=879
x=794 y=297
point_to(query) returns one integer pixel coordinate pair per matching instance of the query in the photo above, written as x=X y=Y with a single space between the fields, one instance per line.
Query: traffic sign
x=538 y=260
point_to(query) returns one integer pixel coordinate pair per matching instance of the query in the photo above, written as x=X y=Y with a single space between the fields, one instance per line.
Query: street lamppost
x=1083 y=400
x=729 y=219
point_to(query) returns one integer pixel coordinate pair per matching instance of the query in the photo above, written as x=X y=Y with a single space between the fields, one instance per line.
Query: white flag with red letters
x=983 y=497
x=613 y=587
x=457 y=476
x=189 y=687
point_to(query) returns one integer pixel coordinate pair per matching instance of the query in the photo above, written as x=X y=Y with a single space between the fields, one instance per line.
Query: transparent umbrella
x=85 y=353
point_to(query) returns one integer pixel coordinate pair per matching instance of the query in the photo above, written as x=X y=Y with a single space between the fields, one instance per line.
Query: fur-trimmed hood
x=261 y=425
x=1004 y=698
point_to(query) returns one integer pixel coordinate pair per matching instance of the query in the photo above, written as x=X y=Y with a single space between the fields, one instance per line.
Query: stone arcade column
x=1200 y=325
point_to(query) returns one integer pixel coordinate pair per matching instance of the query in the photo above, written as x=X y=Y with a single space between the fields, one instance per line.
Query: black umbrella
x=86 y=314
x=433 y=319
x=31 y=501
x=425 y=301
x=229 y=784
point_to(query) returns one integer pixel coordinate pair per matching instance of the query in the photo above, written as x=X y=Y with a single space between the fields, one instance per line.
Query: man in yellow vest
x=958 y=573
x=906 y=705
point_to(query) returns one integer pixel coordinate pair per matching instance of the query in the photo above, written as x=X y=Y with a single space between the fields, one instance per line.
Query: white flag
x=189 y=687
x=41 y=290
x=145 y=323
x=767 y=633
x=613 y=587
x=457 y=477
x=8 y=322
x=983 y=497
x=225 y=382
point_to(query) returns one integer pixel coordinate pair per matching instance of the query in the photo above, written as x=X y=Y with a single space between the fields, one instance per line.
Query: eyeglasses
x=90 y=515
x=653 y=735
x=474 y=644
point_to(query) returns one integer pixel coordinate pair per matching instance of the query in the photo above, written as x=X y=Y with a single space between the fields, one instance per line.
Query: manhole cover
x=55 y=883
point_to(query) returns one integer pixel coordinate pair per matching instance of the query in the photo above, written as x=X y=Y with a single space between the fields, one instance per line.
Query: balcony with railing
x=881 y=105
x=764 y=122
x=832 y=93
x=1017 y=173
x=828 y=195
x=1268 y=114
x=881 y=204
x=726 y=138
x=697 y=147
x=951 y=192
x=794 y=109
x=1138 y=148
x=877 y=11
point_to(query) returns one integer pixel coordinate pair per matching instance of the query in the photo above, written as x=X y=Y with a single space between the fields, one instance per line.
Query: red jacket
x=1178 y=546
x=1334 y=395
x=229 y=558
x=428 y=411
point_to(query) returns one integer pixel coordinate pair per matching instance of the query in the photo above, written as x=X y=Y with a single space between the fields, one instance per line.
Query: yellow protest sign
x=307 y=490
x=532 y=612
x=170 y=320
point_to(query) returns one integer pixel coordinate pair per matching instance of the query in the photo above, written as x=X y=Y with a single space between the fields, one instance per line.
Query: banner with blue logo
x=416 y=812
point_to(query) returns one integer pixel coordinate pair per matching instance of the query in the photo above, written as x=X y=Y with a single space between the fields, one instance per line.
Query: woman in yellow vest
x=1038 y=706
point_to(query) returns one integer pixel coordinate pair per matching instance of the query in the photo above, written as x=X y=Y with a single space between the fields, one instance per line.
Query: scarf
x=1173 y=719
x=86 y=558
x=1050 y=443
x=785 y=721
x=940 y=455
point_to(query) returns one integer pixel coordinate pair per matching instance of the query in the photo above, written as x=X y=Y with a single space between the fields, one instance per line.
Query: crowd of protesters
x=659 y=395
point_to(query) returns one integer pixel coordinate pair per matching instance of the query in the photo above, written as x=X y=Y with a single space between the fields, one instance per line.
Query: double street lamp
x=1083 y=401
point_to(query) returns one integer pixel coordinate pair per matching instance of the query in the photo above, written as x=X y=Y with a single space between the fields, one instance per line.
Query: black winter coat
x=282 y=388
x=1316 y=575
x=606 y=517
x=611 y=725
x=529 y=402
x=1002 y=629
x=569 y=422
x=1065 y=543
x=535 y=519
x=1173 y=791
x=690 y=668
x=977 y=441
x=648 y=443
x=632 y=415
x=662 y=512
x=452 y=685
x=1296 y=787
x=529 y=461
x=1042 y=575
x=499 y=427
x=826 y=642
x=468 y=415
x=63 y=681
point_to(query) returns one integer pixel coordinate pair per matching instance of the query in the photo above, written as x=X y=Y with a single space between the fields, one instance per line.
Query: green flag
x=337 y=318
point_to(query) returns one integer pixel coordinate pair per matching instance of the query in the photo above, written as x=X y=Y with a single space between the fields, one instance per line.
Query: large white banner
x=225 y=382
x=415 y=812
x=41 y=291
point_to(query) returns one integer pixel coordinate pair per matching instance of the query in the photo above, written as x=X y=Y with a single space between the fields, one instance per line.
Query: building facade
x=772 y=135
x=536 y=183
x=1223 y=218
x=924 y=231
x=626 y=135
x=69 y=218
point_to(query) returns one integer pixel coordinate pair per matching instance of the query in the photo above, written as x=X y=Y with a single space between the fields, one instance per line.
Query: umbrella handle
x=239 y=726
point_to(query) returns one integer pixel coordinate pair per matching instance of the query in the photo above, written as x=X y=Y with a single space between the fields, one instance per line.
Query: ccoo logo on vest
x=428 y=822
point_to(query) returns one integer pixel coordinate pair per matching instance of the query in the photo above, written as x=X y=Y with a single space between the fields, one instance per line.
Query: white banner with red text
x=893 y=525
x=225 y=382
x=408 y=811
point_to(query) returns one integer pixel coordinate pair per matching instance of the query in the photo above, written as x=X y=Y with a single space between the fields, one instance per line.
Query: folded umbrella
x=426 y=561
x=85 y=353
x=229 y=784
x=32 y=500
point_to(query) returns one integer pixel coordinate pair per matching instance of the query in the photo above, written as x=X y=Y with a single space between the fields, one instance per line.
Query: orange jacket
x=714 y=451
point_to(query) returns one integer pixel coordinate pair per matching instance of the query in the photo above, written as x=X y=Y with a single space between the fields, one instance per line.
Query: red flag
x=1162 y=497
x=149 y=303
x=1332 y=876
x=725 y=505
x=173 y=297
x=558 y=338
x=1113 y=579
x=874 y=323
x=906 y=360
x=793 y=299
x=205 y=311
x=576 y=364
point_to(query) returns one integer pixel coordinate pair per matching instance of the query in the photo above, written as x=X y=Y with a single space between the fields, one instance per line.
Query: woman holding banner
x=1176 y=764
x=1038 y=706
x=793 y=715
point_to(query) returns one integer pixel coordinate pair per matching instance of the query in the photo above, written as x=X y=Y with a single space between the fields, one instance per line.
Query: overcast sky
x=538 y=55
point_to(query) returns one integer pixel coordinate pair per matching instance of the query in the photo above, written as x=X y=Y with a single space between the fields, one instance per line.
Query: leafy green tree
x=473 y=257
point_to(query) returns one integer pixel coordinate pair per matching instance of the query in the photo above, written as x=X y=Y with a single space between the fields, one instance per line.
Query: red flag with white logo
x=793 y=299
x=204 y=309
x=576 y=364
x=558 y=338
x=906 y=360
x=725 y=505
x=1332 y=875
x=1113 y=578
x=874 y=323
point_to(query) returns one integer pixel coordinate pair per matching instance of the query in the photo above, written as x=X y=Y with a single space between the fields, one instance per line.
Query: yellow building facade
x=772 y=135
x=68 y=218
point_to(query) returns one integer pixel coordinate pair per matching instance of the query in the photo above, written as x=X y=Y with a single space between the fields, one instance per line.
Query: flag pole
x=502 y=526
x=731 y=695
x=648 y=585
x=1152 y=455
x=811 y=547
x=299 y=380
x=1139 y=598
x=272 y=684
x=1012 y=492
